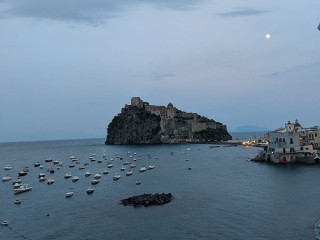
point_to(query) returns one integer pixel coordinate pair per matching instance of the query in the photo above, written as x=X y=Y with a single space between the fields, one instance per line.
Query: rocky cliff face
x=141 y=123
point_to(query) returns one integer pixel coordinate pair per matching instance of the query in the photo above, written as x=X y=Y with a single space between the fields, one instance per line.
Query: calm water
x=223 y=197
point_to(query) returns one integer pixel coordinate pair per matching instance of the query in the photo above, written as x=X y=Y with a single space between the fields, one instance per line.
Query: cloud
x=93 y=11
x=242 y=13
x=162 y=76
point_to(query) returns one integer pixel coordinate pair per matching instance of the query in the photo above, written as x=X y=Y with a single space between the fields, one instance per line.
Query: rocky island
x=142 y=123
x=147 y=200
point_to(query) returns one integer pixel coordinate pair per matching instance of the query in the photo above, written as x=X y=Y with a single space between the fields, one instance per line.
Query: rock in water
x=147 y=200
x=141 y=123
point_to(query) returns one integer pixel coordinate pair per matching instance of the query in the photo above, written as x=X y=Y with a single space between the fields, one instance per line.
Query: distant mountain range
x=250 y=128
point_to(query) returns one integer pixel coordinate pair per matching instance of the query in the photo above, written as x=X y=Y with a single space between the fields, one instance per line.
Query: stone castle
x=142 y=123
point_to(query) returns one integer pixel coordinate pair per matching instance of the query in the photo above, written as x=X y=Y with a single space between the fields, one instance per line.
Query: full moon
x=268 y=35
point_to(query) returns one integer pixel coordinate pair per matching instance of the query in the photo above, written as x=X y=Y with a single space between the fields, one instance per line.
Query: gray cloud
x=93 y=11
x=162 y=76
x=242 y=13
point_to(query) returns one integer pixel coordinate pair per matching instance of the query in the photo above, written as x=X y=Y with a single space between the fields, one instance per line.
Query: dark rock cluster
x=147 y=200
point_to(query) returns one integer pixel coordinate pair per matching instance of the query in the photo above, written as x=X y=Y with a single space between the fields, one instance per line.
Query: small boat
x=126 y=163
x=123 y=168
x=104 y=156
x=90 y=190
x=82 y=167
x=41 y=175
x=95 y=181
x=92 y=159
x=4 y=223
x=5 y=179
x=17 y=200
x=55 y=162
x=105 y=172
x=151 y=167
x=110 y=165
x=97 y=176
x=129 y=173
x=87 y=174
x=68 y=175
x=138 y=182
x=142 y=169
x=132 y=165
x=42 y=179
x=75 y=178
x=18 y=180
x=116 y=177
x=72 y=157
x=48 y=160
x=99 y=161
x=22 y=173
x=134 y=159
x=77 y=162
x=17 y=185
x=86 y=164
x=71 y=166
x=7 y=167
x=188 y=149
x=69 y=194
x=60 y=163
x=50 y=181
x=51 y=171
x=41 y=166
x=22 y=188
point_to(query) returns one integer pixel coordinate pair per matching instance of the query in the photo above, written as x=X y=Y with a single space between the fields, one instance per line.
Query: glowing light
x=268 y=35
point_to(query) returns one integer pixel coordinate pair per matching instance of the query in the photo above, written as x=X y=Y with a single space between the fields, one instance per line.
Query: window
x=291 y=141
x=284 y=150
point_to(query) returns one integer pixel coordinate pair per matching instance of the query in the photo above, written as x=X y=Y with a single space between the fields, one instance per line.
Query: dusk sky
x=67 y=67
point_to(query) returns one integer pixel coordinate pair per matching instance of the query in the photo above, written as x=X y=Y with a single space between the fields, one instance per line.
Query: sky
x=67 y=67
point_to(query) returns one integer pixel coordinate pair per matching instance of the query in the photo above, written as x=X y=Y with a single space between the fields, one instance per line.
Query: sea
x=218 y=193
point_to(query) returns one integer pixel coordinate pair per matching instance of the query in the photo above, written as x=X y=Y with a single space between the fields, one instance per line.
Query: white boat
x=22 y=173
x=41 y=166
x=7 y=167
x=188 y=149
x=48 y=160
x=50 y=180
x=95 y=181
x=60 y=163
x=138 y=182
x=151 y=167
x=4 y=223
x=110 y=165
x=86 y=164
x=18 y=180
x=17 y=185
x=123 y=168
x=129 y=173
x=82 y=167
x=68 y=175
x=42 y=179
x=142 y=169
x=22 y=188
x=126 y=163
x=17 y=200
x=72 y=157
x=75 y=178
x=41 y=175
x=116 y=176
x=132 y=165
x=90 y=190
x=105 y=172
x=5 y=179
x=97 y=176
x=69 y=194
x=55 y=162
x=87 y=174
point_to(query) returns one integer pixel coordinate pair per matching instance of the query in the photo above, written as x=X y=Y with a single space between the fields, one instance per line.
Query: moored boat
x=90 y=190
x=7 y=167
x=87 y=174
x=142 y=169
x=105 y=172
x=129 y=173
x=75 y=178
x=5 y=179
x=50 y=181
x=97 y=176
x=116 y=177
x=17 y=200
x=4 y=223
x=151 y=167
x=22 y=188
x=138 y=182
x=95 y=181
x=67 y=175
x=69 y=194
